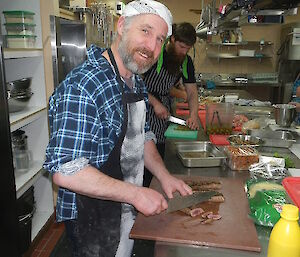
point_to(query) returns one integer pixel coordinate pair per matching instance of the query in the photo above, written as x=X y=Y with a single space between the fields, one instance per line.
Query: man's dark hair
x=184 y=32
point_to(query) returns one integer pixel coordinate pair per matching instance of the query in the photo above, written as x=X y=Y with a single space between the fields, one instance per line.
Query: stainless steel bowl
x=244 y=140
x=19 y=103
x=19 y=85
x=284 y=114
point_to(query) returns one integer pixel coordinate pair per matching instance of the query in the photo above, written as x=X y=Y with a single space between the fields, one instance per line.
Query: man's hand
x=192 y=122
x=171 y=184
x=149 y=202
x=297 y=105
x=161 y=111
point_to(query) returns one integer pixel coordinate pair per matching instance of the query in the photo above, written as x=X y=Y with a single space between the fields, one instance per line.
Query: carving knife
x=180 y=202
x=177 y=120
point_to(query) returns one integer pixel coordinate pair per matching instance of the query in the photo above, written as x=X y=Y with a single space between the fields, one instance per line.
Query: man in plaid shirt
x=100 y=140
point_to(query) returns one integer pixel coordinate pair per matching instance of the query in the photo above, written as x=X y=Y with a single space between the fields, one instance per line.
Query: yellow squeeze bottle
x=285 y=235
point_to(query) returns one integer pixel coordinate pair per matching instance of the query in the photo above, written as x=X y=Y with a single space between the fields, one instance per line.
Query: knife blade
x=180 y=202
x=177 y=120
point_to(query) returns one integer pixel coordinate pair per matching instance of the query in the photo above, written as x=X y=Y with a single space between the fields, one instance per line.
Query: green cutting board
x=172 y=132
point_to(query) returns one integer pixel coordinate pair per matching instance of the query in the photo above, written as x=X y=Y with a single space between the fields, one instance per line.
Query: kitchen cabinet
x=24 y=63
x=251 y=49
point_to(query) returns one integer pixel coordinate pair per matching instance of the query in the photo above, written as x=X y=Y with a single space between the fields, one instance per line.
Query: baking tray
x=283 y=139
x=199 y=154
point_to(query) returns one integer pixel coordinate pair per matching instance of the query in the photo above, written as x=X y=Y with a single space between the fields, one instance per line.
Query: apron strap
x=113 y=62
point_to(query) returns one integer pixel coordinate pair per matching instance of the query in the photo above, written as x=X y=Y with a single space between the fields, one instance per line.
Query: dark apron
x=104 y=225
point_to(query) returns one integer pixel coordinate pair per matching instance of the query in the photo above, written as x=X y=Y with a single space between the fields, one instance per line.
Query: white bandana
x=149 y=7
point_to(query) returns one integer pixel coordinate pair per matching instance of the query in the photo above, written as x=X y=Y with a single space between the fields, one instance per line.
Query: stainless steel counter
x=175 y=166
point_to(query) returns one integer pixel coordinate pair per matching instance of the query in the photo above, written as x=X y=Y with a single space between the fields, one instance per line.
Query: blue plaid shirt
x=85 y=118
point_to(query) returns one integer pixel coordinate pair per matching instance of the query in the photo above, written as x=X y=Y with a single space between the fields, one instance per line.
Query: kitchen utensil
x=18 y=103
x=19 y=85
x=199 y=154
x=244 y=140
x=177 y=120
x=282 y=139
x=219 y=118
x=284 y=114
x=216 y=113
x=180 y=202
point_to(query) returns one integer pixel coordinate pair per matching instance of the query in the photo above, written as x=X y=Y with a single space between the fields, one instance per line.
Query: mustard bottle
x=285 y=235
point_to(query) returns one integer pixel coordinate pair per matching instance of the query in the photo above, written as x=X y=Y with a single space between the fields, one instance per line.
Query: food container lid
x=18 y=12
x=21 y=36
x=290 y=212
x=19 y=24
x=292 y=187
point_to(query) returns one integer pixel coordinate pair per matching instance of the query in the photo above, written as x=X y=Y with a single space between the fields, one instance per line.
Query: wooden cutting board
x=235 y=230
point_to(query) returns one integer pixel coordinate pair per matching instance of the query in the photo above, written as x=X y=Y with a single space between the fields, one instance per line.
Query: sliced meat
x=205 y=214
x=217 y=199
x=193 y=212
x=207 y=187
x=196 y=212
x=214 y=216
x=207 y=221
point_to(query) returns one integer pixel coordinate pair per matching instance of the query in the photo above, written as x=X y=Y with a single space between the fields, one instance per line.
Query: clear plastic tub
x=241 y=157
x=20 y=41
x=19 y=28
x=20 y=16
x=219 y=118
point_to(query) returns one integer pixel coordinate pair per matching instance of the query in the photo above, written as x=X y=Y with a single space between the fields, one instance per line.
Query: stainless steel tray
x=253 y=110
x=282 y=139
x=199 y=154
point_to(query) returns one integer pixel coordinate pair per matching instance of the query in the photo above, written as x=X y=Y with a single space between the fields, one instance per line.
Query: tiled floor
x=55 y=239
x=49 y=240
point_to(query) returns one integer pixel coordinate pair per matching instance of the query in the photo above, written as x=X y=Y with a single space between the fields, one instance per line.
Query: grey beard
x=128 y=61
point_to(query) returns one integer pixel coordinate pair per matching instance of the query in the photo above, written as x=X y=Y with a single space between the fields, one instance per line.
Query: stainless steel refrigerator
x=68 y=43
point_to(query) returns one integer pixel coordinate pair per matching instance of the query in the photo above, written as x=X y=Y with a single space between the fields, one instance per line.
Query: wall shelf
x=20 y=119
x=10 y=53
x=25 y=180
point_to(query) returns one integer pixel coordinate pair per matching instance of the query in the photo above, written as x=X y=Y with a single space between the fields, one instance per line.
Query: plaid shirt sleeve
x=72 y=122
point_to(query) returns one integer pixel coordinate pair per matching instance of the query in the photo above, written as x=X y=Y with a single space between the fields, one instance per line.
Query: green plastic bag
x=266 y=202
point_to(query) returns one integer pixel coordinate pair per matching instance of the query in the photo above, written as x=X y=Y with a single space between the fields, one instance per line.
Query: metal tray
x=199 y=154
x=283 y=139
x=253 y=111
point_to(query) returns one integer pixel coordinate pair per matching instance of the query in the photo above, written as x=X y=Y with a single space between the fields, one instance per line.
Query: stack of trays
x=20 y=28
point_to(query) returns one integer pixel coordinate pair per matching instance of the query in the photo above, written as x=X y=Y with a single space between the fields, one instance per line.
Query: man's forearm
x=192 y=97
x=152 y=100
x=153 y=161
x=91 y=182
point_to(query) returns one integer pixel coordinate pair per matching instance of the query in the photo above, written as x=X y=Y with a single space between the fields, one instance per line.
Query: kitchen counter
x=175 y=166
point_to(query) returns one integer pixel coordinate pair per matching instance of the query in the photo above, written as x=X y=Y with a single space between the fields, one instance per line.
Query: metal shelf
x=244 y=43
x=231 y=56
x=10 y=53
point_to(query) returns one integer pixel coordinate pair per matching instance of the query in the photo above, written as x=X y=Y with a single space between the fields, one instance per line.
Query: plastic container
x=219 y=118
x=285 y=236
x=246 y=53
x=230 y=98
x=18 y=16
x=20 y=41
x=241 y=157
x=292 y=187
x=22 y=160
x=20 y=28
